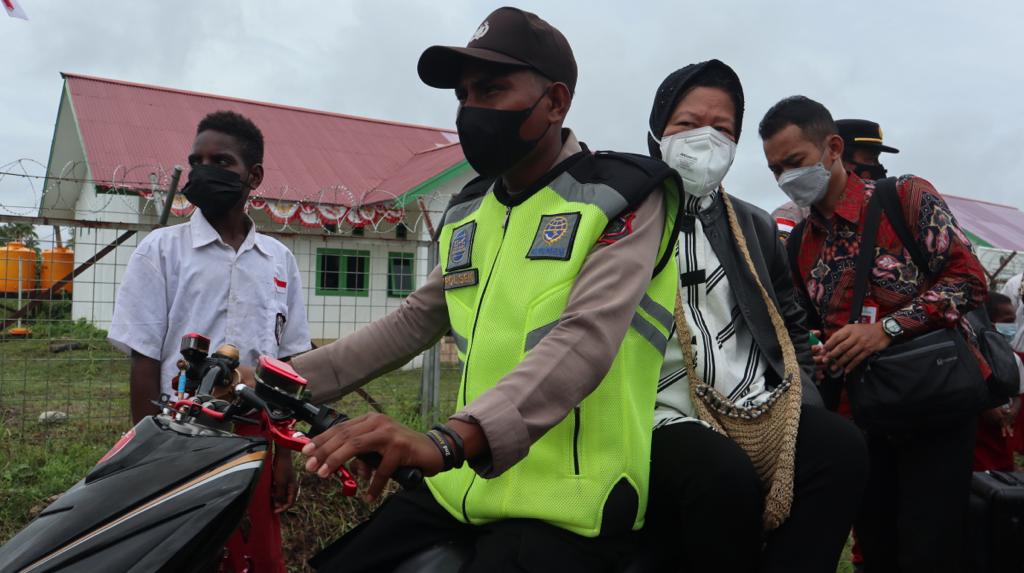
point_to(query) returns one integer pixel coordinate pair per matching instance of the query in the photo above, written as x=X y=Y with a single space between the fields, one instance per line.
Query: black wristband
x=447 y=452
x=457 y=444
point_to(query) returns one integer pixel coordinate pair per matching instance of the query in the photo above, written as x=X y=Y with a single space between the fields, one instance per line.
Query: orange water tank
x=57 y=263
x=13 y=257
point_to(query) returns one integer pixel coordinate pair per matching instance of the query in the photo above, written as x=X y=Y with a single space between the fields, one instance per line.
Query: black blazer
x=771 y=261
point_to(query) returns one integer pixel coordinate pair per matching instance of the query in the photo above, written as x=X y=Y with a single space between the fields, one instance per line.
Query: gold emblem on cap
x=481 y=31
x=880 y=136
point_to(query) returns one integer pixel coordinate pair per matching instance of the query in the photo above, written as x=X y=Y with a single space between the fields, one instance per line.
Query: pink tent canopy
x=1000 y=226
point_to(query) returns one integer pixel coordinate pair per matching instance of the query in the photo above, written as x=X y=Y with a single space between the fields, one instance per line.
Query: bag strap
x=886 y=190
x=793 y=244
x=866 y=256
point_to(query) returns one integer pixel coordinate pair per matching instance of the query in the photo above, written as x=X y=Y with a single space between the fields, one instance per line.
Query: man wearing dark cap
x=862 y=141
x=557 y=282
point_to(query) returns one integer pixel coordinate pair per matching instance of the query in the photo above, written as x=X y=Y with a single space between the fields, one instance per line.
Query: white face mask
x=805 y=186
x=702 y=157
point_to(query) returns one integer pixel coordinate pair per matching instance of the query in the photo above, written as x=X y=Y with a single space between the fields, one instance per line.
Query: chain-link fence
x=359 y=255
x=361 y=245
x=58 y=373
x=64 y=389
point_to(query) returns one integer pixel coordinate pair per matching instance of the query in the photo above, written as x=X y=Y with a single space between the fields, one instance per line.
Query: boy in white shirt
x=214 y=275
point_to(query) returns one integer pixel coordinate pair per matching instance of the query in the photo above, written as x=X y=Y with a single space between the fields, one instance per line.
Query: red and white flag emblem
x=785 y=225
x=14 y=10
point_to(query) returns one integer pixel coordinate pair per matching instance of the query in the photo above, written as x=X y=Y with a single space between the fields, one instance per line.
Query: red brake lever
x=286 y=436
x=186 y=405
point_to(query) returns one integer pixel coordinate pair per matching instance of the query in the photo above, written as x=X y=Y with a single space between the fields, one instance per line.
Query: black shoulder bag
x=1004 y=382
x=919 y=384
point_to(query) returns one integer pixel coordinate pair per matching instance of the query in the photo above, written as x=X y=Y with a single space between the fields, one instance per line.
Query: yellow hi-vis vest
x=508 y=271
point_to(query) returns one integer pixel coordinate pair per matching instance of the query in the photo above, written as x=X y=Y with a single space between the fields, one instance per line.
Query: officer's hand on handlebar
x=396 y=444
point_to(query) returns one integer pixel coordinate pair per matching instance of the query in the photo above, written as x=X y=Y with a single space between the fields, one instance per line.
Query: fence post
x=430 y=384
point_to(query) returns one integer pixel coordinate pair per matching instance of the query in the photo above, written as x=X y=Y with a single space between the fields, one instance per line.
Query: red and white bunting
x=14 y=9
x=181 y=207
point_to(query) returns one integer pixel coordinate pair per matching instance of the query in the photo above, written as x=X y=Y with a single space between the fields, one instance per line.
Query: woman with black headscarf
x=749 y=472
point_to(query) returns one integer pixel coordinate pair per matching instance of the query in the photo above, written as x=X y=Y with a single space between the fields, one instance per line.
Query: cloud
x=941 y=77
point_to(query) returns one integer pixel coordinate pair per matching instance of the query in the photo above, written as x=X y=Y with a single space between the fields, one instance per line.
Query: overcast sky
x=943 y=78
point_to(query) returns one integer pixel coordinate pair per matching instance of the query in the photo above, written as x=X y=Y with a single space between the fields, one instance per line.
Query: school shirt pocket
x=278 y=310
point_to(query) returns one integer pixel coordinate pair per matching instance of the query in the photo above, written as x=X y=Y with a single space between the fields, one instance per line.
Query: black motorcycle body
x=165 y=498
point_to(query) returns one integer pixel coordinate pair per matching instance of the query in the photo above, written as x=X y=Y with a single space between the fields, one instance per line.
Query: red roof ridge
x=981 y=201
x=437 y=148
x=66 y=75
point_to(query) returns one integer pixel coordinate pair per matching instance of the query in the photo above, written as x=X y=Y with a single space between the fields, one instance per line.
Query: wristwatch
x=891 y=327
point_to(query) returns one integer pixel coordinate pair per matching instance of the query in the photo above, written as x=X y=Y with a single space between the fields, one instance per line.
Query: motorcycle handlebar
x=322 y=418
x=408 y=477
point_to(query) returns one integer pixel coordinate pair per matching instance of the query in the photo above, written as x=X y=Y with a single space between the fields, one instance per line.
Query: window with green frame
x=342 y=272
x=401 y=276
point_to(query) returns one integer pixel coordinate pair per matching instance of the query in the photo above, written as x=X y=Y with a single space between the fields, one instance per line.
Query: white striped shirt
x=726 y=354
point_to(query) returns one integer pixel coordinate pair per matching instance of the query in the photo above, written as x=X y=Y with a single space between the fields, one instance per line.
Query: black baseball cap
x=862 y=133
x=508 y=36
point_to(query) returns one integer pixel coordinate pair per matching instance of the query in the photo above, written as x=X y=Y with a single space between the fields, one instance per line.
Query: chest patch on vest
x=460 y=249
x=555 y=237
x=468 y=277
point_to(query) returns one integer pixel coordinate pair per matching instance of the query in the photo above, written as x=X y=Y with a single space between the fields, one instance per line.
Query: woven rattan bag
x=767 y=432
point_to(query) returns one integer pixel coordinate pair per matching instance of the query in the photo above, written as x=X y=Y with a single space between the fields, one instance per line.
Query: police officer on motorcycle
x=557 y=283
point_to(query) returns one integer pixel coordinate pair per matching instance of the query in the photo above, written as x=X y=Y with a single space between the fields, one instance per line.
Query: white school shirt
x=727 y=356
x=1012 y=290
x=185 y=279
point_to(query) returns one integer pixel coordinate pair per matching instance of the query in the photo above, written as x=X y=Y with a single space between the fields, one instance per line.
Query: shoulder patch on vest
x=555 y=237
x=460 y=249
x=473 y=191
x=620 y=227
x=633 y=176
x=468 y=277
x=477 y=187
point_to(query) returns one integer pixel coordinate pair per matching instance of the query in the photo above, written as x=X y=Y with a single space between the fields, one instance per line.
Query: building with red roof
x=353 y=197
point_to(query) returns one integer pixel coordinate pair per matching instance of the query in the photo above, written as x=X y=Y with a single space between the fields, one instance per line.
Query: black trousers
x=915 y=508
x=705 y=509
x=410 y=522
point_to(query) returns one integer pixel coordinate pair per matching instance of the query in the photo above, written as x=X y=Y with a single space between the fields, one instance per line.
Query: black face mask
x=490 y=137
x=872 y=172
x=213 y=189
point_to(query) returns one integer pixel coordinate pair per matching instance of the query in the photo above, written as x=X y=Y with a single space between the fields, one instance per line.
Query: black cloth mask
x=214 y=190
x=490 y=137
x=872 y=172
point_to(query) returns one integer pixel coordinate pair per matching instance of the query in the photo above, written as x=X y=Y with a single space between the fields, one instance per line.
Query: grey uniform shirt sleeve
x=379 y=347
x=569 y=363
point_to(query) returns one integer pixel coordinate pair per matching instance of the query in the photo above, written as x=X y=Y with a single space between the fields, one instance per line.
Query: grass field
x=90 y=384
x=38 y=462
